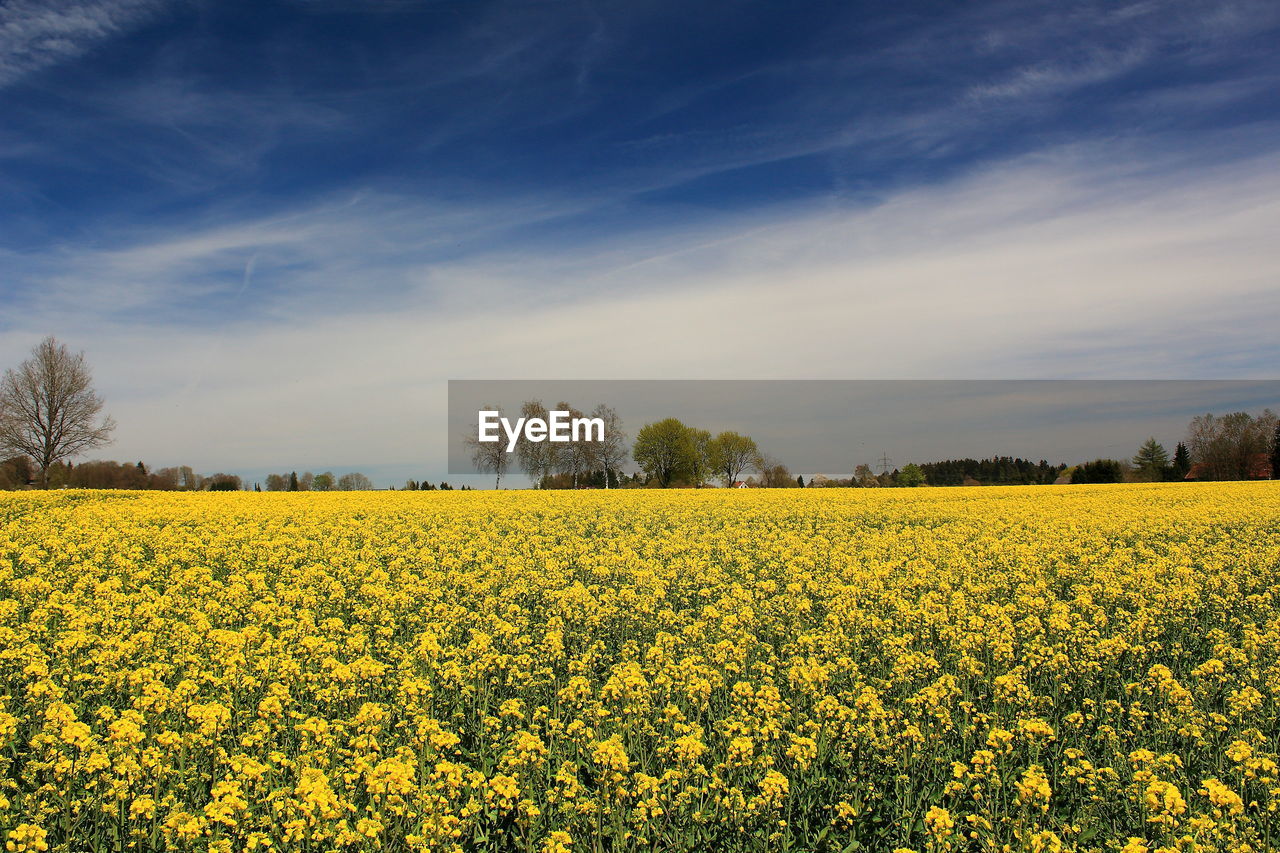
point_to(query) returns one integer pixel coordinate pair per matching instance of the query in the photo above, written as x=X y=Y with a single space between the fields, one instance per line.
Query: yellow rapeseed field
x=1032 y=669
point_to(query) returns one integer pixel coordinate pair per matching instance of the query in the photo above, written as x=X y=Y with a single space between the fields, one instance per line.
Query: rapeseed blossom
x=1086 y=669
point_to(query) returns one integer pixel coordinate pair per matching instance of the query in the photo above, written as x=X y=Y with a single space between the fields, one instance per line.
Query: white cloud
x=1074 y=265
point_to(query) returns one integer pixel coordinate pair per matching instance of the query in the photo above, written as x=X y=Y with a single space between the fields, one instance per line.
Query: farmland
x=1055 y=668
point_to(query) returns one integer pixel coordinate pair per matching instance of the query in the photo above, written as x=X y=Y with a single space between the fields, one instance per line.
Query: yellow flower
x=939 y=822
x=1164 y=802
x=774 y=788
x=1033 y=788
x=558 y=842
x=26 y=837
x=326 y=671
x=502 y=792
x=611 y=757
x=1223 y=798
x=142 y=808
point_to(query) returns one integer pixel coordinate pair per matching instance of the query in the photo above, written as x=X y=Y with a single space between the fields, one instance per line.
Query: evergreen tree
x=1275 y=454
x=1181 y=461
x=1098 y=471
x=293 y=481
x=1151 y=459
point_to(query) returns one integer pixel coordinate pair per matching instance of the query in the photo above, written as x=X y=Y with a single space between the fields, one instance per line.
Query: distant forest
x=1000 y=471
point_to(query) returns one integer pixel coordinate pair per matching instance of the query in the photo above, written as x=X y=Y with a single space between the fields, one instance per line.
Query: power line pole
x=885 y=463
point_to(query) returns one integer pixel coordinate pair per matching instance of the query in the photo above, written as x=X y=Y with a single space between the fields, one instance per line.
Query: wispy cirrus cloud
x=1055 y=78
x=35 y=34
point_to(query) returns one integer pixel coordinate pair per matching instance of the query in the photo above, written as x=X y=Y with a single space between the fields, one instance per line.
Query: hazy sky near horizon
x=278 y=228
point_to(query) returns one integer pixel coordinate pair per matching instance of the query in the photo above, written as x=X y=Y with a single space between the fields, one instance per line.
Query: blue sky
x=277 y=228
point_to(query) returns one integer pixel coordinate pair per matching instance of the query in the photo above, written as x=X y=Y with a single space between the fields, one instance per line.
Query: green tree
x=293 y=481
x=730 y=454
x=911 y=475
x=664 y=450
x=699 y=467
x=1151 y=460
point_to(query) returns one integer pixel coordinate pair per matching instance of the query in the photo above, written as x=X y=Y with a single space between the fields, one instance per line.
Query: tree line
x=325 y=482
x=1236 y=446
x=50 y=413
x=997 y=471
x=18 y=471
x=668 y=452
x=427 y=486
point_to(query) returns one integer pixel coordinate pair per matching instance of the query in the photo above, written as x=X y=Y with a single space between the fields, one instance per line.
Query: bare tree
x=773 y=474
x=572 y=457
x=1231 y=447
x=354 y=482
x=489 y=455
x=536 y=458
x=49 y=410
x=866 y=478
x=165 y=479
x=611 y=452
